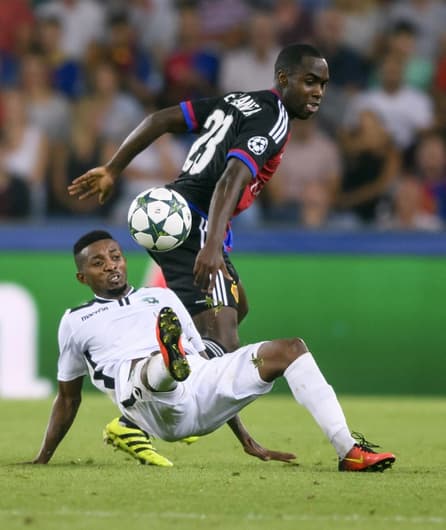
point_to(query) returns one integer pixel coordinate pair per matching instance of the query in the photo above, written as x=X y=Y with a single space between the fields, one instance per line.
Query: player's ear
x=282 y=78
x=81 y=277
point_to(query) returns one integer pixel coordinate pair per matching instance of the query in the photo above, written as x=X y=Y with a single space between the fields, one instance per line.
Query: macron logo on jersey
x=280 y=128
x=243 y=102
x=93 y=313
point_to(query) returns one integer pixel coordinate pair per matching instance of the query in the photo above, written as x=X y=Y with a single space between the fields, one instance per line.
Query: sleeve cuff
x=246 y=158
x=189 y=115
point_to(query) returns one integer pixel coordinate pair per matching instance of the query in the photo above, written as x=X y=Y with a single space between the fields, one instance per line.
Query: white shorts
x=215 y=391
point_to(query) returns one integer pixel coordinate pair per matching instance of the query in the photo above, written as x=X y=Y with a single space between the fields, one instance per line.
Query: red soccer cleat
x=362 y=457
x=168 y=333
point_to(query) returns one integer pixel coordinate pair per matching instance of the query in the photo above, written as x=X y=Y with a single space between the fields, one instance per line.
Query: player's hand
x=254 y=449
x=207 y=264
x=98 y=181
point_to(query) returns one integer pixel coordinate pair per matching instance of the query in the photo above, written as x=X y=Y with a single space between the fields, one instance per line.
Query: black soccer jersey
x=251 y=126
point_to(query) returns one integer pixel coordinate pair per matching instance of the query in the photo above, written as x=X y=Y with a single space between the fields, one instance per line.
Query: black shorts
x=177 y=266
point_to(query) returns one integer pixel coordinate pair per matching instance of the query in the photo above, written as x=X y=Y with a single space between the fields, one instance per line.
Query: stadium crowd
x=77 y=75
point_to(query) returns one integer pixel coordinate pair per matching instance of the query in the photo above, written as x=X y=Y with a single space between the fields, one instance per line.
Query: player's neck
x=115 y=294
x=277 y=92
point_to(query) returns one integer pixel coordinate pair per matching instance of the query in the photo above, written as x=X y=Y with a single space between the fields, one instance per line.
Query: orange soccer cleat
x=168 y=332
x=362 y=457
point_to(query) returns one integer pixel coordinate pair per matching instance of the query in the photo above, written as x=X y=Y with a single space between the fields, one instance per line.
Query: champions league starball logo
x=258 y=144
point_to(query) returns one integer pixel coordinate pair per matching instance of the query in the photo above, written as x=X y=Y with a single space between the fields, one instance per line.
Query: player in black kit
x=241 y=140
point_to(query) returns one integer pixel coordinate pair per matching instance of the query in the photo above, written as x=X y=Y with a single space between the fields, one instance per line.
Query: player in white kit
x=141 y=347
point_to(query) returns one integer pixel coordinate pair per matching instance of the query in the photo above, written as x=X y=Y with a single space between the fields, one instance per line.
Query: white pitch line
x=414 y=520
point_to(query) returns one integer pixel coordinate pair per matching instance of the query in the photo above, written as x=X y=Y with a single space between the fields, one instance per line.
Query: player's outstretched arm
x=62 y=415
x=97 y=181
x=251 y=447
x=224 y=200
x=100 y=181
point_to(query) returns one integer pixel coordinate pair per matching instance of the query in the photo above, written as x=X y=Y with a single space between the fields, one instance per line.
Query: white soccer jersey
x=97 y=337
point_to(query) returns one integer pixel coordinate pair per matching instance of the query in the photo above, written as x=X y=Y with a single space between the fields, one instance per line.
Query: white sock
x=311 y=390
x=158 y=376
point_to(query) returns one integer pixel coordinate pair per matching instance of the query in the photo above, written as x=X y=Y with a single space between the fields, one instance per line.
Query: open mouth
x=312 y=107
x=114 y=278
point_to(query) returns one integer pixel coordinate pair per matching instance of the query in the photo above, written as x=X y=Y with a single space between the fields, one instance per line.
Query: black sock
x=128 y=423
x=213 y=348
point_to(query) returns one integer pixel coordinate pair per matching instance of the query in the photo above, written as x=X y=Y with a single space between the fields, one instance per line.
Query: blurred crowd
x=77 y=75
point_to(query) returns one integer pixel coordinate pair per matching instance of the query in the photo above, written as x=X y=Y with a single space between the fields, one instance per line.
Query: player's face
x=303 y=89
x=104 y=269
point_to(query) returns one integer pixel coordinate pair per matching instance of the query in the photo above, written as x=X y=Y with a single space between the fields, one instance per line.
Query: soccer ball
x=159 y=219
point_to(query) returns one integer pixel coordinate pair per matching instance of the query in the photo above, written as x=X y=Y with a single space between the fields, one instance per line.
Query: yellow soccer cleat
x=189 y=440
x=135 y=442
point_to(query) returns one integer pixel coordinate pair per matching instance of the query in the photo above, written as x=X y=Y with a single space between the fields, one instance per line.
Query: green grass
x=214 y=485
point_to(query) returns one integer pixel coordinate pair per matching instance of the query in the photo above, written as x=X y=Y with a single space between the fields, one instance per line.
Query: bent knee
x=278 y=354
x=293 y=348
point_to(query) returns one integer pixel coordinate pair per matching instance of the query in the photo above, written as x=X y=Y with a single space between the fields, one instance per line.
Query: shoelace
x=363 y=443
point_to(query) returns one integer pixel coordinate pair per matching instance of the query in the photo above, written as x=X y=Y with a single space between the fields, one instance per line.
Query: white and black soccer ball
x=159 y=219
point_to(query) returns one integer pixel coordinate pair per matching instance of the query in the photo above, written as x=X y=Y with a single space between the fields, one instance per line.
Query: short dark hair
x=118 y=18
x=404 y=26
x=292 y=55
x=88 y=239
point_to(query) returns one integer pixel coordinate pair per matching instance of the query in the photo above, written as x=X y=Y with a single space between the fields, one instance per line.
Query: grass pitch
x=214 y=485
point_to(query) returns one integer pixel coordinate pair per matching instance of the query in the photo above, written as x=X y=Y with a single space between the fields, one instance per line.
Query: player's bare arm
x=251 y=447
x=62 y=415
x=100 y=180
x=224 y=200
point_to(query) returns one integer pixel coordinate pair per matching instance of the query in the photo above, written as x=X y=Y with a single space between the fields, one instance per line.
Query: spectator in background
x=349 y=71
x=113 y=111
x=15 y=199
x=294 y=22
x=315 y=208
x=371 y=165
x=404 y=111
x=430 y=169
x=16 y=26
x=155 y=23
x=65 y=73
x=250 y=67
x=23 y=152
x=16 y=30
x=307 y=179
x=85 y=147
x=223 y=23
x=191 y=69
x=401 y=41
x=426 y=16
x=83 y=22
x=137 y=70
x=47 y=108
x=102 y=119
x=362 y=23
x=408 y=212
